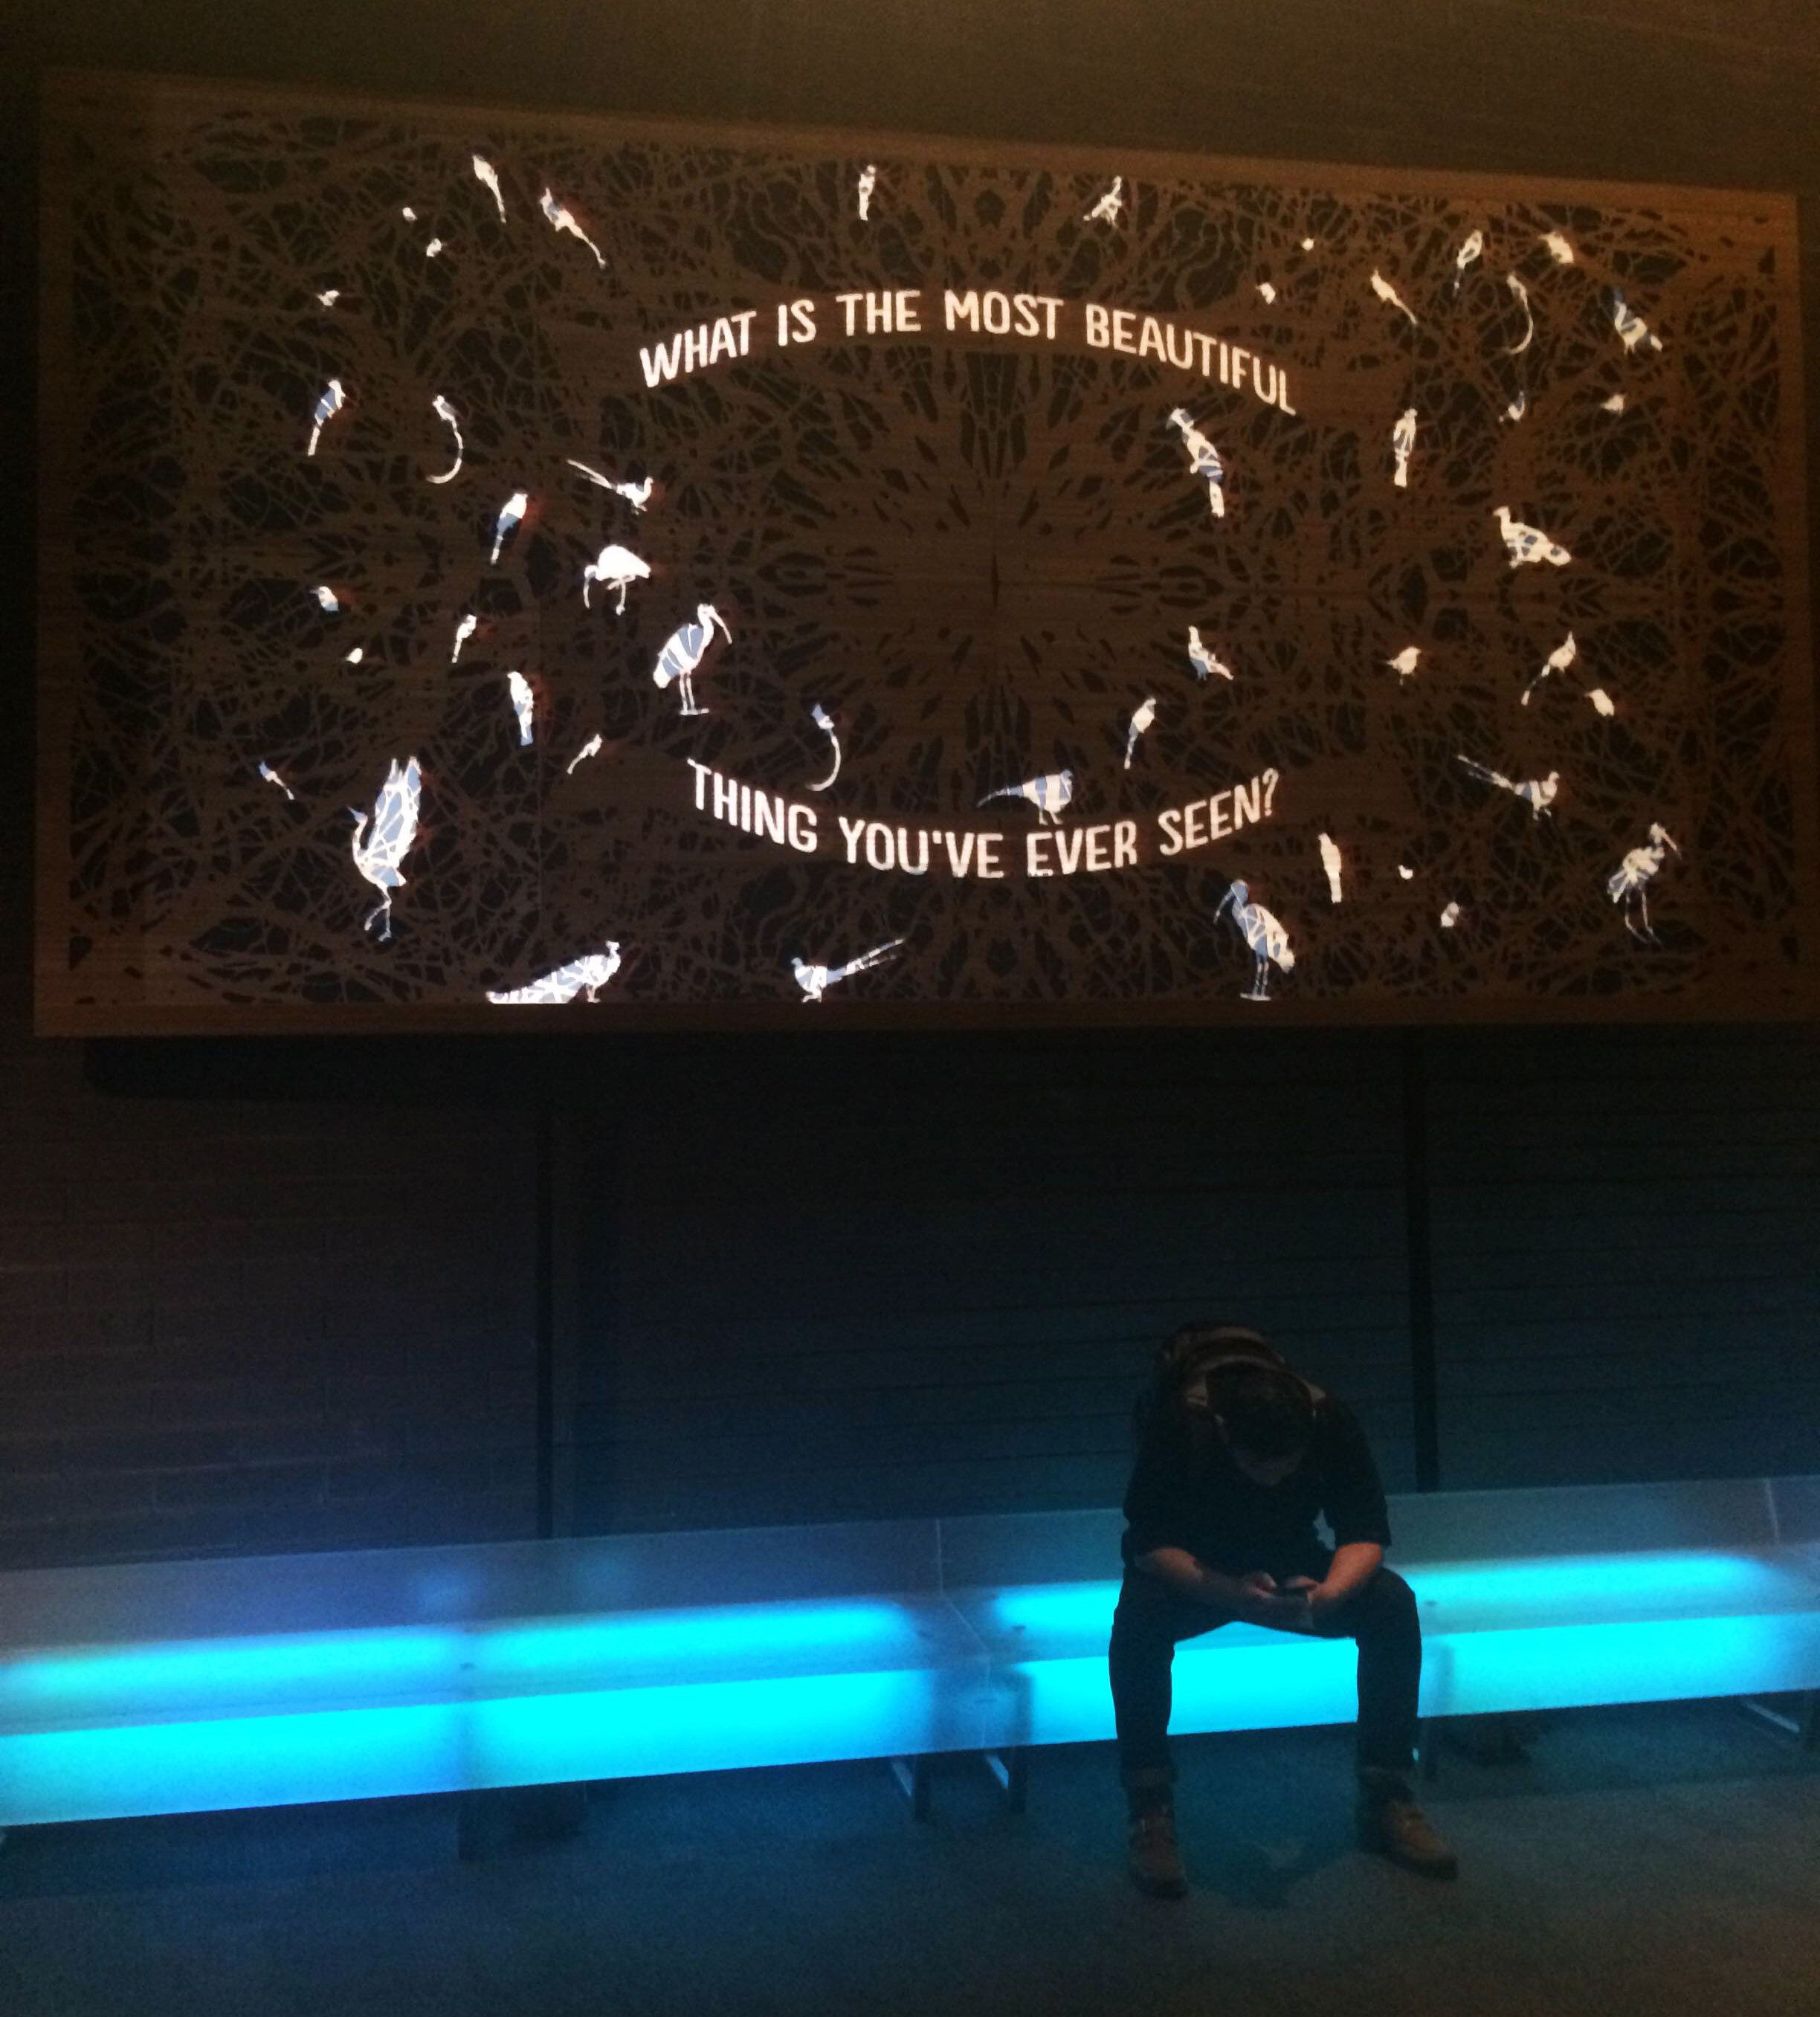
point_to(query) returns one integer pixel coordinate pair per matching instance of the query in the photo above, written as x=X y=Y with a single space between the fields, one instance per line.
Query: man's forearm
x=1185 y=1572
x=1353 y=1566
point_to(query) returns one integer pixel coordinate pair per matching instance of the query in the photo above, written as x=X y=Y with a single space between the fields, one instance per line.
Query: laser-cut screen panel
x=637 y=575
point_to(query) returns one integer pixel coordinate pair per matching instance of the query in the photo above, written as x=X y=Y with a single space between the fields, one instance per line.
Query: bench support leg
x=1011 y=1768
x=913 y=1776
x=1803 y=1726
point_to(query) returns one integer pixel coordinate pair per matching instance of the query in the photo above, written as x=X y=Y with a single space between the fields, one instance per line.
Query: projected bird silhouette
x=1527 y=547
x=382 y=838
x=1630 y=884
x=614 y=567
x=814 y=980
x=1050 y=794
x=587 y=975
x=1263 y=933
x=1537 y=793
x=683 y=651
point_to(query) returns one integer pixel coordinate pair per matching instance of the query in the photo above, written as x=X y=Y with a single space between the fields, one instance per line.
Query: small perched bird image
x=511 y=515
x=1202 y=659
x=636 y=495
x=1538 y=794
x=1105 y=211
x=1203 y=457
x=613 y=566
x=382 y=838
x=464 y=631
x=1331 y=863
x=1526 y=546
x=1406 y=660
x=1142 y=715
x=1269 y=941
x=445 y=413
x=1389 y=295
x=524 y=705
x=1559 y=250
x=1558 y=661
x=1403 y=441
x=868 y=181
x=1630 y=883
x=1050 y=794
x=1522 y=294
x=486 y=174
x=814 y=981
x=586 y=977
x=331 y=402
x=824 y=721
x=1464 y=257
x=562 y=219
x=1635 y=333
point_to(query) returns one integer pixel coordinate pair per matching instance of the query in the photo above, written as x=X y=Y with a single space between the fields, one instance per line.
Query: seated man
x=1236 y=1456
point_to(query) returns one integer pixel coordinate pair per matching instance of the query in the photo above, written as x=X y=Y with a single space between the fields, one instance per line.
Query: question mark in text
x=1269 y=780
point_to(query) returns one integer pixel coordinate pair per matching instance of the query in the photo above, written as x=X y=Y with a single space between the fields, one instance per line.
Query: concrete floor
x=1659 y=1860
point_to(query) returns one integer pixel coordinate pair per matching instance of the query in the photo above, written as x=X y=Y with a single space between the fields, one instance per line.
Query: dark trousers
x=1152 y=1617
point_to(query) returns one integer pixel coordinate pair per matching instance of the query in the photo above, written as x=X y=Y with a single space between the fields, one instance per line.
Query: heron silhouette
x=379 y=849
x=1264 y=934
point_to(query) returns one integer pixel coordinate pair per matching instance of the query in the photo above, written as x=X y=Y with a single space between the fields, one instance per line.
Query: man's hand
x=1282 y=1605
x=1316 y=1598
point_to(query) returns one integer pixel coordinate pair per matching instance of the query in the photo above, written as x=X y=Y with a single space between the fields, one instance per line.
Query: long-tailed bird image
x=1403 y=441
x=1050 y=794
x=1142 y=715
x=1527 y=547
x=486 y=174
x=824 y=721
x=1630 y=883
x=869 y=180
x=1464 y=257
x=511 y=515
x=1105 y=211
x=1203 y=661
x=1389 y=295
x=1203 y=458
x=587 y=975
x=591 y=748
x=613 y=566
x=1538 y=793
x=636 y=495
x=562 y=219
x=445 y=413
x=1636 y=334
x=464 y=631
x=684 y=650
x=1263 y=933
x=1522 y=294
x=1558 y=661
x=272 y=777
x=331 y=402
x=382 y=838
x=1330 y=862
x=814 y=981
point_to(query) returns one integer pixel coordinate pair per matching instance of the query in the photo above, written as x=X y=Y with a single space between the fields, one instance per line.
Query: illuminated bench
x=176 y=1687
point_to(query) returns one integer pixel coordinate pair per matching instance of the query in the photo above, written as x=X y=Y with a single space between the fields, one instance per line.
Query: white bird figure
x=562 y=219
x=1465 y=257
x=1517 y=407
x=1527 y=546
x=1630 y=882
x=1142 y=715
x=524 y=707
x=1105 y=211
x=354 y=656
x=1522 y=294
x=1538 y=794
x=1202 y=659
x=512 y=514
x=1203 y=458
x=1558 y=249
x=587 y=975
x=614 y=567
x=1330 y=862
x=1602 y=701
x=1403 y=441
x=1388 y=295
x=485 y=173
x=331 y=402
x=394 y=827
x=636 y=495
x=1614 y=405
x=445 y=413
x=409 y=215
x=327 y=597
x=1268 y=291
x=1407 y=873
x=329 y=297
x=1050 y=794
x=272 y=777
x=869 y=180
x=1449 y=917
x=1308 y=245
x=591 y=748
x=433 y=248
x=684 y=650
x=464 y=631
x=824 y=721
x=1558 y=661
x=1406 y=660
x=1269 y=941
x=1636 y=333
x=815 y=981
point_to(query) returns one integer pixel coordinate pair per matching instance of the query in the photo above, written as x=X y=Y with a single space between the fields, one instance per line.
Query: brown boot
x=1392 y=1826
x=1156 y=1860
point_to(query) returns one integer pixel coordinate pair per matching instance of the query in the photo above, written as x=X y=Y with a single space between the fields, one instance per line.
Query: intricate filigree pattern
x=978 y=554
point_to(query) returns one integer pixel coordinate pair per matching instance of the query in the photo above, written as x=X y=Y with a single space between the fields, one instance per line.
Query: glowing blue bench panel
x=167 y=1687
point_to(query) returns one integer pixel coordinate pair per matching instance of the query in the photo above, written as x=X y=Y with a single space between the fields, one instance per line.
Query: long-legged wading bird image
x=815 y=981
x=1537 y=793
x=613 y=566
x=381 y=846
x=587 y=975
x=1050 y=794
x=1264 y=934
x=684 y=650
x=1630 y=883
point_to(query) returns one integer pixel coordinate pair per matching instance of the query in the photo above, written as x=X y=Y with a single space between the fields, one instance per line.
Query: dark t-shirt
x=1186 y=1492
